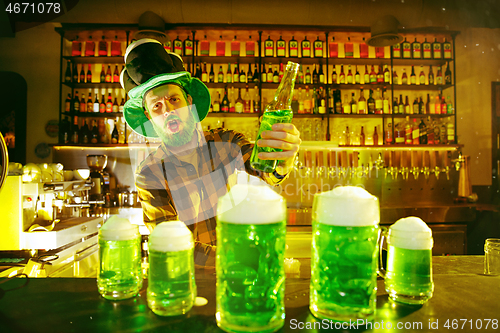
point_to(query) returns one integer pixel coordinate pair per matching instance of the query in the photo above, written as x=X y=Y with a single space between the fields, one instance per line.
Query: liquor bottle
x=362 y=137
x=116 y=75
x=363 y=49
x=83 y=104
x=89 y=74
x=387 y=74
x=421 y=106
x=65 y=131
x=437 y=132
x=102 y=76
x=380 y=75
x=449 y=106
x=250 y=47
x=444 y=106
x=439 y=76
x=225 y=102
x=229 y=74
x=322 y=101
x=408 y=110
x=67 y=75
x=188 y=47
x=395 y=105
x=238 y=107
x=177 y=44
x=116 y=48
x=437 y=105
x=346 y=106
x=396 y=51
x=446 y=49
x=90 y=104
x=75 y=73
x=276 y=76
x=334 y=75
x=347 y=136
x=450 y=133
x=406 y=46
x=314 y=101
x=232 y=100
x=247 y=102
x=404 y=77
x=321 y=74
x=76 y=103
x=216 y=103
x=82 y=74
x=96 y=104
x=205 y=47
x=443 y=137
x=114 y=134
x=255 y=78
x=373 y=75
x=269 y=47
x=348 y=48
x=280 y=48
x=379 y=103
x=415 y=109
x=102 y=105
x=375 y=136
x=315 y=76
x=76 y=48
x=415 y=132
x=293 y=48
x=243 y=76
x=422 y=130
x=349 y=75
x=413 y=77
x=408 y=131
x=447 y=74
x=89 y=48
x=318 y=48
x=386 y=104
x=211 y=75
x=94 y=133
x=197 y=73
x=366 y=77
x=428 y=105
x=84 y=135
x=307 y=77
x=357 y=76
x=270 y=74
x=342 y=75
x=401 y=105
x=109 y=104
x=121 y=106
x=306 y=48
x=429 y=131
x=308 y=101
x=102 y=48
x=416 y=49
x=371 y=103
x=108 y=74
x=204 y=74
x=256 y=100
x=220 y=75
x=114 y=108
x=431 y=76
x=421 y=76
x=334 y=48
x=395 y=78
x=354 y=105
x=436 y=50
x=338 y=102
x=427 y=50
x=75 y=131
x=67 y=104
x=361 y=102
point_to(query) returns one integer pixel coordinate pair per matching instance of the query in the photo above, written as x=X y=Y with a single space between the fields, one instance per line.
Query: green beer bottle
x=278 y=111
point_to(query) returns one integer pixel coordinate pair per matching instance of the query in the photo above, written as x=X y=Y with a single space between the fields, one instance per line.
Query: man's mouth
x=173 y=125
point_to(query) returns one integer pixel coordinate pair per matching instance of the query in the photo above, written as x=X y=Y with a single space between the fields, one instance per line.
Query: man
x=184 y=178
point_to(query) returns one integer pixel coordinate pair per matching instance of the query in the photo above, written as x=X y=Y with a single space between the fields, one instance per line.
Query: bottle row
x=88 y=48
x=86 y=131
x=72 y=75
x=311 y=48
x=77 y=104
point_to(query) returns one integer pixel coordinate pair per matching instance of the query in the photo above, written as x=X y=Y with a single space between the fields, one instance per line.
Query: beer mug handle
x=381 y=269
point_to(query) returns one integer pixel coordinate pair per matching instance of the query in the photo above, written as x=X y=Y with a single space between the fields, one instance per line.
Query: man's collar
x=172 y=157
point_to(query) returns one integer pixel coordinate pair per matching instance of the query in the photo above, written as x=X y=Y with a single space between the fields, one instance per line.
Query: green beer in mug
x=408 y=278
x=251 y=231
x=344 y=254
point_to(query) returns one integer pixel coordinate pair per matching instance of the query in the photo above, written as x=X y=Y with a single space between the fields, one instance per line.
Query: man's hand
x=285 y=137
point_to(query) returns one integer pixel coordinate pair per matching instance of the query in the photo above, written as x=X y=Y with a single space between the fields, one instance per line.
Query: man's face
x=170 y=113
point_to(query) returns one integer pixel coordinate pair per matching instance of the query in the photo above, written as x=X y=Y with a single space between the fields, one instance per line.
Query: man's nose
x=168 y=108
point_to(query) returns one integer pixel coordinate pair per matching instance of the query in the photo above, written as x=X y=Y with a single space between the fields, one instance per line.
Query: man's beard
x=180 y=138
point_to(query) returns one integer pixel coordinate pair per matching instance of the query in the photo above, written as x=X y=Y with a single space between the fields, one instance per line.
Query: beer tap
x=404 y=165
x=447 y=163
x=320 y=168
x=332 y=164
x=435 y=164
x=415 y=169
x=308 y=163
x=355 y=171
x=343 y=164
x=426 y=164
x=458 y=161
x=393 y=169
x=379 y=163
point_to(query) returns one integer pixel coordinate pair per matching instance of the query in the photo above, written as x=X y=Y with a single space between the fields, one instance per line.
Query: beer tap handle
x=437 y=163
x=319 y=163
x=426 y=164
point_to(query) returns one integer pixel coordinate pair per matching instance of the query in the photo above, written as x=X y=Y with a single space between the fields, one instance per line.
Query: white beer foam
x=118 y=228
x=346 y=206
x=171 y=236
x=410 y=233
x=251 y=204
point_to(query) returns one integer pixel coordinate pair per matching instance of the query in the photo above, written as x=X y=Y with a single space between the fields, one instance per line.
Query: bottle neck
x=283 y=97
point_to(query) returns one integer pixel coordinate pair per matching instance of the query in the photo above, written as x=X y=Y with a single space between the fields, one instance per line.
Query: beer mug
x=119 y=275
x=408 y=278
x=344 y=254
x=171 y=283
x=251 y=230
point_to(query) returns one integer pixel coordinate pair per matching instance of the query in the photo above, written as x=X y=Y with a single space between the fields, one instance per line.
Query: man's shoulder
x=152 y=160
x=223 y=135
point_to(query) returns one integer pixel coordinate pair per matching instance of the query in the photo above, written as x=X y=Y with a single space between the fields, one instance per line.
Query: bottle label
x=437 y=50
x=235 y=48
x=280 y=48
x=347 y=109
x=406 y=50
x=362 y=107
x=168 y=46
x=318 y=49
x=220 y=47
x=386 y=106
x=396 y=50
x=415 y=134
x=447 y=51
x=427 y=50
x=294 y=49
x=306 y=49
x=416 y=51
x=178 y=47
x=387 y=76
x=188 y=48
x=269 y=48
x=349 y=50
x=379 y=104
x=379 y=52
x=204 y=48
x=250 y=49
x=238 y=107
x=334 y=50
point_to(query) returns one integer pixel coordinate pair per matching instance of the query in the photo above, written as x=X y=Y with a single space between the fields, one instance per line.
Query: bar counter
x=464 y=298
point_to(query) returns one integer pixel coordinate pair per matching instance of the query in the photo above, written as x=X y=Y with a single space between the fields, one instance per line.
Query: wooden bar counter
x=464 y=300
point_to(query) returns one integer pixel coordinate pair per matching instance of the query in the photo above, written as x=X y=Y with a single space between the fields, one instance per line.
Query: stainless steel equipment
x=99 y=179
